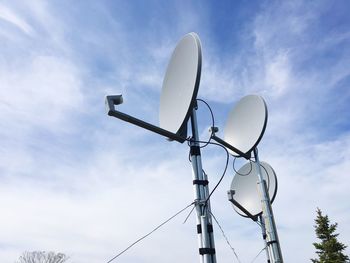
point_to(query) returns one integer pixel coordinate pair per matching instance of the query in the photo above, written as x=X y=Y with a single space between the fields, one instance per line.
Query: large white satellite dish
x=179 y=92
x=180 y=84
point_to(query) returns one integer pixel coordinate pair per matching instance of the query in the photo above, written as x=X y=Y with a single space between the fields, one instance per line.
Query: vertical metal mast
x=268 y=215
x=201 y=193
x=264 y=235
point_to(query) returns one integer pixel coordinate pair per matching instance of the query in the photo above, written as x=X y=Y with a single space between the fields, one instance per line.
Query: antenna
x=244 y=189
x=177 y=106
x=246 y=123
x=245 y=126
x=180 y=85
x=244 y=129
x=245 y=197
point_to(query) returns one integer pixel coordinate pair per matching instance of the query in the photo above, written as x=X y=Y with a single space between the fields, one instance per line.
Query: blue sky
x=74 y=180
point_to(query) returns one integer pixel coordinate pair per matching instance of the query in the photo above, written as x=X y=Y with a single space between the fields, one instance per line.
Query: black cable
x=233 y=164
x=267 y=175
x=143 y=237
x=188 y=139
x=213 y=122
x=223 y=174
x=223 y=233
x=226 y=165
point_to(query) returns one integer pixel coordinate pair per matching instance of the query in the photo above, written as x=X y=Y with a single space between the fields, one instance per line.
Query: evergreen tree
x=329 y=250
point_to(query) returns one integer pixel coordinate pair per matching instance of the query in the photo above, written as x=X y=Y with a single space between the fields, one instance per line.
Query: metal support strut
x=201 y=193
x=271 y=230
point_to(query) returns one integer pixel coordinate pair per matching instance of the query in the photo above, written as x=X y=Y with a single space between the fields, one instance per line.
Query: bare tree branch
x=42 y=257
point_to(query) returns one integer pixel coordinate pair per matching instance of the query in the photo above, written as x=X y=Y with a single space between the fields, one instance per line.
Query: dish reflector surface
x=180 y=84
x=246 y=124
x=244 y=184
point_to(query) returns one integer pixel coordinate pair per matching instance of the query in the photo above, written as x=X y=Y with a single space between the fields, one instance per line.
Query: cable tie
x=201 y=182
x=206 y=251
x=195 y=150
x=209 y=228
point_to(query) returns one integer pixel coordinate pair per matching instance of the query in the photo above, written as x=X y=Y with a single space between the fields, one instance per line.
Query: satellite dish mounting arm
x=230 y=194
x=229 y=146
x=113 y=100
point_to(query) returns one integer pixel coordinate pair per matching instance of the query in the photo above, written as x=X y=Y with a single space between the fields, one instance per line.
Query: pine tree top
x=329 y=250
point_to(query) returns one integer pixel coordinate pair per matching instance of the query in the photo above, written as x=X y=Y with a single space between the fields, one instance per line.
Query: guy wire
x=151 y=232
x=227 y=241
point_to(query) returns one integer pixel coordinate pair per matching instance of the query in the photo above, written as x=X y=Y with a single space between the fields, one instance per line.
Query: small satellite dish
x=180 y=84
x=246 y=124
x=246 y=193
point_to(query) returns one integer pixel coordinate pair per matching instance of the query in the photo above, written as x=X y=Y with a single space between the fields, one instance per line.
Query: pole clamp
x=209 y=228
x=271 y=242
x=201 y=182
x=206 y=251
x=195 y=150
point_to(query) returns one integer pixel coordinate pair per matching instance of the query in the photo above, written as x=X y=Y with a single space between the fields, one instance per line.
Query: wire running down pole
x=267 y=216
x=264 y=235
x=201 y=194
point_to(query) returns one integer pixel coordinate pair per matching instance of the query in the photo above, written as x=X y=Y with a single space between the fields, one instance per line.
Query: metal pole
x=264 y=235
x=268 y=215
x=201 y=193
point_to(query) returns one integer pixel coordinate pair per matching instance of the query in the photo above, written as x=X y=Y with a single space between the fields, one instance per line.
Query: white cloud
x=9 y=16
x=277 y=74
x=217 y=83
x=40 y=93
x=91 y=224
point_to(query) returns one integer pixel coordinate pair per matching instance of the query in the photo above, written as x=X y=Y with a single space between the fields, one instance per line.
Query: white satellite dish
x=246 y=124
x=244 y=185
x=180 y=84
x=179 y=92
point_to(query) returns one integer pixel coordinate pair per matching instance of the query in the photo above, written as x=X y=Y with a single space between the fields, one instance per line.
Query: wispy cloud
x=40 y=93
x=9 y=16
x=76 y=180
